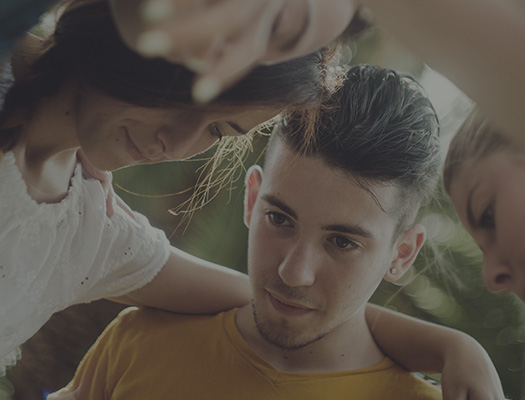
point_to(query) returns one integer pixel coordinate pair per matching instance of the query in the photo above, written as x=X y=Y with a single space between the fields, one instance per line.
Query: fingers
x=124 y=206
x=469 y=384
x=198 y=30
x=105 y=179
x=219 y=40
x=236 y=59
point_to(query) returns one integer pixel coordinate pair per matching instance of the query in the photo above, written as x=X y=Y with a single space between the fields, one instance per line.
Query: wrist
x=458 y=345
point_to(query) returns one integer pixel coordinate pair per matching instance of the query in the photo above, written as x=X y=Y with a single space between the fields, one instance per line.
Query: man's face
x=319 y=246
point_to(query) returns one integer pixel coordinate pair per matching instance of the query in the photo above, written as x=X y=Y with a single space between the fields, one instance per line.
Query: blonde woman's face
x=114 y=134
x=489 y=198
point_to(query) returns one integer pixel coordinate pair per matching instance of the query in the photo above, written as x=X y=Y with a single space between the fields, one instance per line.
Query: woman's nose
x=178 y=144
x=497 y=272
x=168 y=143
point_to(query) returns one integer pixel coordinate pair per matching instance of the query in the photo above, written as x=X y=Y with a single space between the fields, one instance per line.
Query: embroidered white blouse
x=56 y=255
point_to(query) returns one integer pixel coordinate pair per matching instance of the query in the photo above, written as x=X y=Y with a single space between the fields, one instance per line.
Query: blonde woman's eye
x=487 y=218
x=215 y=131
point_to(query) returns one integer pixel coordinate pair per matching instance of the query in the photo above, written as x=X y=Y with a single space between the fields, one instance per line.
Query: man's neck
x=347 y=347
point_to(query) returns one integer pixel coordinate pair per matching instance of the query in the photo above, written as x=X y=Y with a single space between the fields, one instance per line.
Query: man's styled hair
x=476 y=139
x=381 y=128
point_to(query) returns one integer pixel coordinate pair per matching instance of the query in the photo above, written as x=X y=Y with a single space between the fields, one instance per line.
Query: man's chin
x=282 y=336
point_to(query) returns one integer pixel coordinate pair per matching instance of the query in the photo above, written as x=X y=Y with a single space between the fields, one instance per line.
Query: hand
x=221 y=40
x=105 y=179
x=468 y=373
x=225 y=37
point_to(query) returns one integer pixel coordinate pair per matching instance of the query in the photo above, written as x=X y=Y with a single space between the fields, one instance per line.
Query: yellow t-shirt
x=150 y=354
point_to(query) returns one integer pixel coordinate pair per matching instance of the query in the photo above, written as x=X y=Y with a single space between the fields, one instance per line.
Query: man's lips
x=287 y=306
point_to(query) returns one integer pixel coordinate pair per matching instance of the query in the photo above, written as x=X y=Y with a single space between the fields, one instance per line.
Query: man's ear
x=406 y=250
x=253 y=184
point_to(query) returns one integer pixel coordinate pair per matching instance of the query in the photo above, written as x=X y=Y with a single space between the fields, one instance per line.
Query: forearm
x=188 y=284
x=416 y=345
x=477 y=44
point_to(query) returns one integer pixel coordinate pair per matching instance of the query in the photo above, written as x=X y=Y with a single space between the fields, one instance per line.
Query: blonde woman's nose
x=497 y=271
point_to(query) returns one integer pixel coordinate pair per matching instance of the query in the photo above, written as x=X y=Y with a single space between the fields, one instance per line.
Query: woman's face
x=489 y=197
x=114 y=134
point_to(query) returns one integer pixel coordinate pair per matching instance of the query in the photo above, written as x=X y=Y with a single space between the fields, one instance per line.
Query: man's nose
x=497 y=271
x=300 y=266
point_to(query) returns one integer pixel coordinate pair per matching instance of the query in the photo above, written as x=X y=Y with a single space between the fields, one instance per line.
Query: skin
x=488 y=198
x=319 y=246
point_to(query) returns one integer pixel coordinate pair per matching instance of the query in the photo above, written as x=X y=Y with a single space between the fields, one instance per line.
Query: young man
x=329 y=219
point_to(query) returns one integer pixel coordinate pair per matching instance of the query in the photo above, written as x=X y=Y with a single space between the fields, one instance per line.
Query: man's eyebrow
x=279 y=204
x=349 y=229
x=237 y=128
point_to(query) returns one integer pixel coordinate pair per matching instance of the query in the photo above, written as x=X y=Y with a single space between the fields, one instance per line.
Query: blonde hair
x=476 y=139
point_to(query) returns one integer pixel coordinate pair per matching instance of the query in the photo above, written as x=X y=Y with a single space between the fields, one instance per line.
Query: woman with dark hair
x=83 y=89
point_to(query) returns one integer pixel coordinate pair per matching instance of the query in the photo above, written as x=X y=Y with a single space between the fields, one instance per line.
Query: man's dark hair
x=380 y=127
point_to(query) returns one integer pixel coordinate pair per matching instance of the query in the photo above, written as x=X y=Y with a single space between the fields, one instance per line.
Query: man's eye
x=277 y=218
x=343 y=243
x=487 y=218
x=215 y=131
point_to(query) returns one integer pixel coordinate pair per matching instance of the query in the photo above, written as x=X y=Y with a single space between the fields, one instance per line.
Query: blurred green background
x=445 y=286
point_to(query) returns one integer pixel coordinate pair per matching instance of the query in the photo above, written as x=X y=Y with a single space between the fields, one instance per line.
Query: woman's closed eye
x=486 y=220
x=215 y=131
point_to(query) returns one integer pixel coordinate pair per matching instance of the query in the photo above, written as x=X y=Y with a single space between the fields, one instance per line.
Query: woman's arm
x=188 y=284
x=466 y=368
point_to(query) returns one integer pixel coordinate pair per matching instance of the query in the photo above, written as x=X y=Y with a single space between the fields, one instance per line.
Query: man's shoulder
x=150 y=334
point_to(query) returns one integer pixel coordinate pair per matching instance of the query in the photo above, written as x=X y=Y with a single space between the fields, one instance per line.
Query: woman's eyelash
x=215 y=131
x=487 y=217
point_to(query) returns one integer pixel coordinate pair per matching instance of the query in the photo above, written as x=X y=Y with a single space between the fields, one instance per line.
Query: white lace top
x=56 y=255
